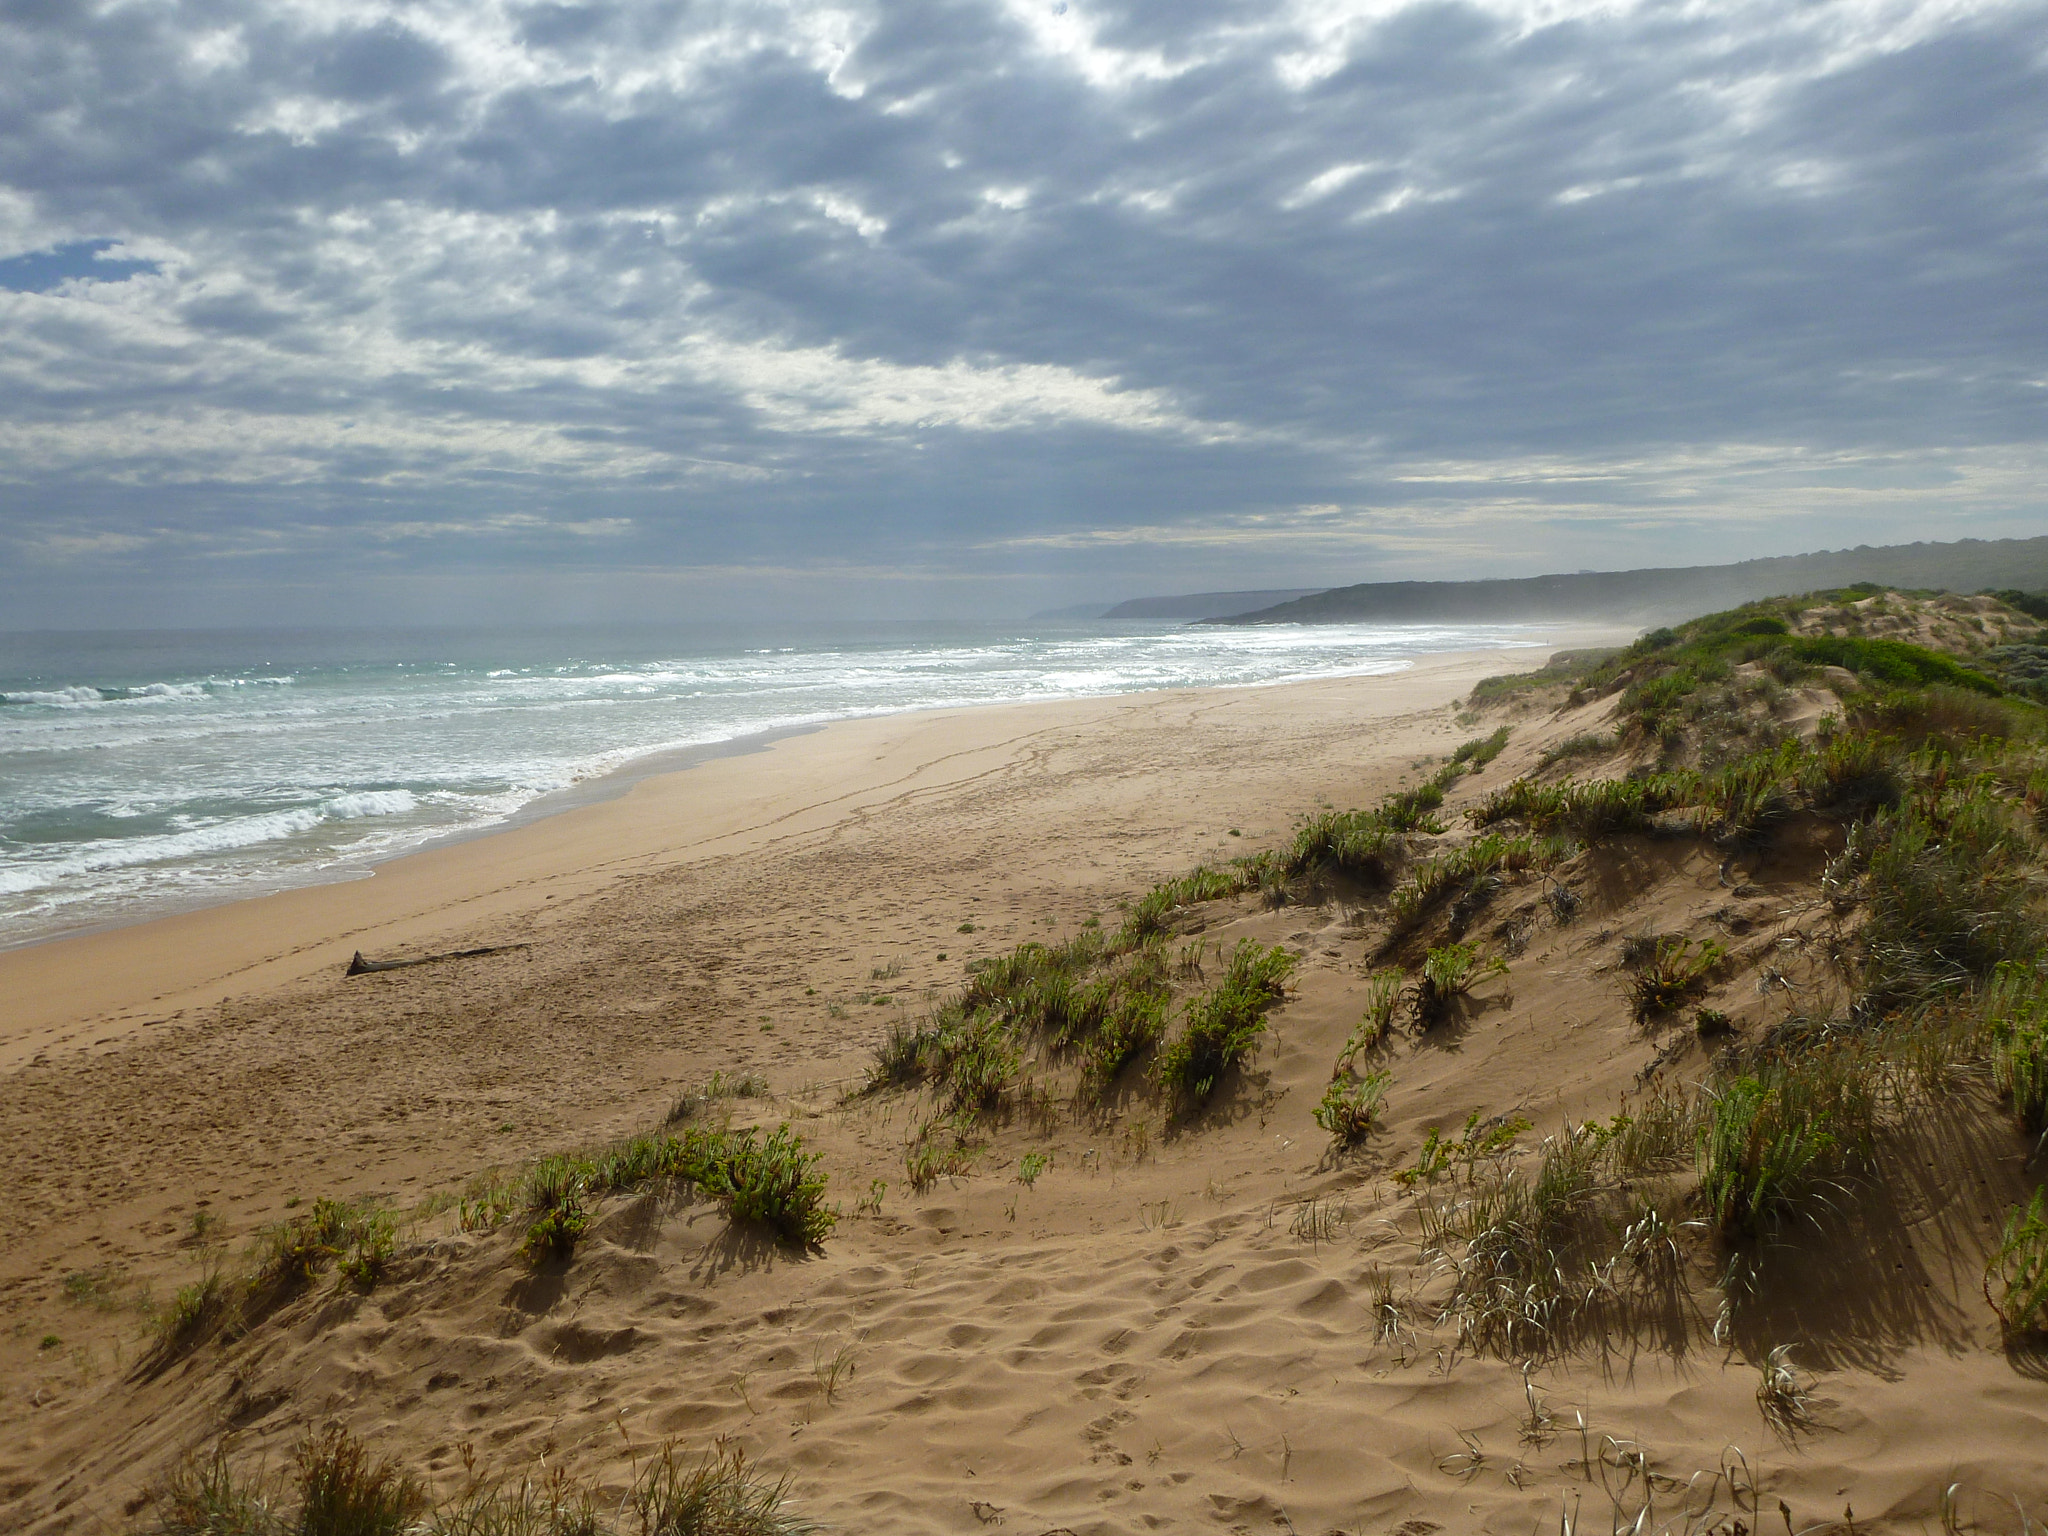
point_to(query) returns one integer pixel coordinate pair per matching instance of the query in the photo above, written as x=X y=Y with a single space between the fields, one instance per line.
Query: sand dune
x=1212 y=1325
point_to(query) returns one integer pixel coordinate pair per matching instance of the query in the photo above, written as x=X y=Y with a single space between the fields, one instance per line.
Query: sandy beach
x=99 y=989
x=1146 y=1337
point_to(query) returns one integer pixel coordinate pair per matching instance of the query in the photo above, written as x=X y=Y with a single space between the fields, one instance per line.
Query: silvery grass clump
x=334 y=1486
x=1588 y=1229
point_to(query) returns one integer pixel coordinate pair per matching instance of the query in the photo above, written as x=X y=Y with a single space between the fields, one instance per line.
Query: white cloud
x=820 y=390
x=1320 y=186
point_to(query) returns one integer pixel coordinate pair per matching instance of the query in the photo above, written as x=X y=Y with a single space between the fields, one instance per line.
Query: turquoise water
x=144 y=772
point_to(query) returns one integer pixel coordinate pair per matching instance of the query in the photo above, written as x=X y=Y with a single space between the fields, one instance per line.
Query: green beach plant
x=1776 y=1134
x=1459 y=871
x=359 y=1237
x=2016 y=1016
x=2016 y=1278
x=1672 y=974
x=768 y=1181
x=1476 y=754
x=1382 y=1001
x=555 y=1203
x=1743 y=801
x=1449 y=973
x=1350 y=1106
x=1130 y=1028
x=1220 y=1028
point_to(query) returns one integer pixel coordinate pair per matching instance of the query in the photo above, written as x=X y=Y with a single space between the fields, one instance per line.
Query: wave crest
x=77 y=695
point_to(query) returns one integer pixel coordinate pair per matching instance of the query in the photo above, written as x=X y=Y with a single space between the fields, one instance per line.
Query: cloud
x=985 y=281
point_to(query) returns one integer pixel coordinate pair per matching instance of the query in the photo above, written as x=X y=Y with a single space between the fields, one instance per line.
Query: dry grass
x=1590 y=1232
x=336 y=1487
x=1784 y=1395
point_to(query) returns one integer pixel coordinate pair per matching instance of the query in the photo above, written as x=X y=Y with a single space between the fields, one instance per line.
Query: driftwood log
x=361 y=967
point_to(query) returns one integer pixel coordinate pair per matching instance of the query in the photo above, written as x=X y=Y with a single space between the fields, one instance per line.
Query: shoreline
x=98 y=989
x=610 y=785
x=608 y=776
x=594 y=790
x=269 y=813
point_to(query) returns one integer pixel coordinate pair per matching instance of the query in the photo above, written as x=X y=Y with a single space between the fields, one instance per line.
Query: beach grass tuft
x=2016 y=1278
x=720 y=1495
x=336 y=1487
x=769 y=1181
x=720 y=1088
x=345 y=1491
x=197 y=1312
x=554 y=1505
x=1221 y=1027
x=1376 y=1022
x=1784 y=1395
x=1535 y=1252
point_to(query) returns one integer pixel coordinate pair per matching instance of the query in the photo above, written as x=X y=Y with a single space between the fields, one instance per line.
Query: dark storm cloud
x=1205 y=285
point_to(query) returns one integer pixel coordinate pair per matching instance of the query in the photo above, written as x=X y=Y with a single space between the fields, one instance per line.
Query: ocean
x=145 y=772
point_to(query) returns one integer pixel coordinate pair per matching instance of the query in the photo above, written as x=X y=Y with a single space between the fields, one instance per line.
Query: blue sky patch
x=40 y=271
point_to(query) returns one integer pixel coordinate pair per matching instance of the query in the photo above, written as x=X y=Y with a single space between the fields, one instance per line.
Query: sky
x=363 y=312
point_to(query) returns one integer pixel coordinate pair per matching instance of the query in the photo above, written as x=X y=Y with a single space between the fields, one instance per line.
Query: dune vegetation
x=1885 y=754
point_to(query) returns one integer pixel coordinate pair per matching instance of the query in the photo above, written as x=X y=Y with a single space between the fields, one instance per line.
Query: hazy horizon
x=559 y=313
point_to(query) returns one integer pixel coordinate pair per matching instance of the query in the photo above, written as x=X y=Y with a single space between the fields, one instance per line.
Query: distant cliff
x=1204 y=605
x=1660 y=595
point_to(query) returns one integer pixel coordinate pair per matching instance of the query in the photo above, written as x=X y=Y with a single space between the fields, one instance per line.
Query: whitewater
x=142 y=773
